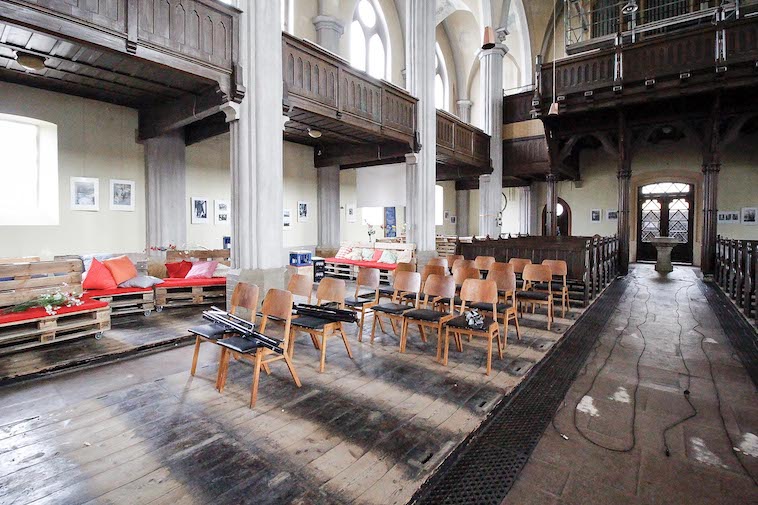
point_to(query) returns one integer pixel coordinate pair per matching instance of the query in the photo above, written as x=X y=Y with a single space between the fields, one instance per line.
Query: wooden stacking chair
x=245 y=296
x=405 y=282
x=277 y=309
x=401 y=267
x=463 y=263
x=436 y=286
x=559 y=268
x=484 y=263
x=331 y=292
x=498 y=266
x=428 y=270
x=506 y=306
x=460 y=276
x=442 y=262
x=368 y=278
x=301 y=285
x=518 y=268
x=452 y=258
x=534 y=275
x=475 y=291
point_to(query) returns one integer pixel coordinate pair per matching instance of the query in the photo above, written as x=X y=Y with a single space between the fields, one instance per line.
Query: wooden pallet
x=129 y=303
x=20 y=335
x=350 y=272
x=189 y=295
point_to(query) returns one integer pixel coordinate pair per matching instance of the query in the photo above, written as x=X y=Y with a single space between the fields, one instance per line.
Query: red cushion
x=341 y=261
x=99 y=277
x=367 y=264
x=117 y=291
x=377 y=255
x=121 y=268
x=178 y=270
x=35 y=313
x=184 y=283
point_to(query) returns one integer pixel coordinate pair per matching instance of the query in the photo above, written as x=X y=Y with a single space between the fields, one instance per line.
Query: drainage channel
x=484 y=467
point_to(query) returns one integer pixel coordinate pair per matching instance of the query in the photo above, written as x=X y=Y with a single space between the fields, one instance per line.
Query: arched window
x=440 y=80
x=369 y=43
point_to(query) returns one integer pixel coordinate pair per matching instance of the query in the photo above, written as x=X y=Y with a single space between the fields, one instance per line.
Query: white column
x=464 y=110
x=328 y=188
x=329 y=30
x=524 y=209
x=166 y=190
x=462 y=206
x=256 y=143
x=491 y=186
x=421 y=175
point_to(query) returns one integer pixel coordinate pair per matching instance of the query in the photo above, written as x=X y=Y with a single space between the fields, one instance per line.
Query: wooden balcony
x=169 y=55
x=361 y=120
x=462 y=149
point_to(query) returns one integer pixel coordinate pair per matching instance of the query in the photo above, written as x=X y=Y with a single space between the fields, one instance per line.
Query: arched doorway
x=564 y=218
x=665 y=209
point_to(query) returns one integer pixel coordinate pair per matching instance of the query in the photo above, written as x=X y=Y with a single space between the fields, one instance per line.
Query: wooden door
x=665 y=210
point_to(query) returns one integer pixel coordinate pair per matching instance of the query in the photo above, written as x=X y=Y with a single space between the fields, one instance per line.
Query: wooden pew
x=736 y=272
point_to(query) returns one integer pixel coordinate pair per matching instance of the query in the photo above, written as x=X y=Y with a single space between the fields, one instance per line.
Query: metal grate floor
x=484 y=467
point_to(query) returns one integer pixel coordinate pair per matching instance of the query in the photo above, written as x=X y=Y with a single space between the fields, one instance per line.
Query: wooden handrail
x=737 y=272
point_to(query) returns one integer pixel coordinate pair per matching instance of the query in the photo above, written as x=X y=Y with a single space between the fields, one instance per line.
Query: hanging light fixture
x=30 y=61
x=630 y=8
x=314 y=133
x=554 y=108
x=489 y=38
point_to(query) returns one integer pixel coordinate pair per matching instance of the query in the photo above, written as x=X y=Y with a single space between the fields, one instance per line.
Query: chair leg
x=373 y=326
x=489 y=355
x=322 y=365
x=360 y=328
x=381 y=324
x=505 y=329
x=256 y=378
x=439 y=342
x=549 y=316
x=518 y=330
x=423 y=332
x=194 y=358
x=447 y=346
x=403 y=335
x=266 y=368
x=344 y=339
x=392 y=323
x=315 y=341
x=220 y=379
x=499 y=348
x=291 y=343
x=458 y=342
x=291 y=366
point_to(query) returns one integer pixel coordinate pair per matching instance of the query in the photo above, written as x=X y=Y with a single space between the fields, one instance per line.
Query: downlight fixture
x=630 y=8
x=30 y=61
x=314 y=133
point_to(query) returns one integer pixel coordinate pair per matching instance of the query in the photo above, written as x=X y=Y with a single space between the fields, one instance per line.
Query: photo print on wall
x=222 y=208
x=122 y=195
x=85 y=193
x=302 y=212
x=596 y=215
x=750 y=216
x=199 y=209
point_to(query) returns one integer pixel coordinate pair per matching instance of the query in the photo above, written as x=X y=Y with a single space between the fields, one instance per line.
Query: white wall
x=300 y=184
x=449 y=206
x=358 y=231
x=208 y=176
x=95 y=139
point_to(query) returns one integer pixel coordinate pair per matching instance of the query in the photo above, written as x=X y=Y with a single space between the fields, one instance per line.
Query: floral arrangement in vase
x=51 y=302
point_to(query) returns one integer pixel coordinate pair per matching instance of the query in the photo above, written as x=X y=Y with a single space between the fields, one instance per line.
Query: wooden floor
x=368 y=430
x=129 y=334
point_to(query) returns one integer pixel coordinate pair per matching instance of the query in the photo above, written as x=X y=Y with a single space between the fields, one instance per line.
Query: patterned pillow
x=355 y=254
x=388 y=257
x=344 y=251
x=404 y=257
x=367 y=255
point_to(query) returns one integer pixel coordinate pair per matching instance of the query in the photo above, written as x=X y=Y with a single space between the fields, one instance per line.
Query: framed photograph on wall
x=446 y=215
x=611 y=214
x=302 y=212
x=728 y=217
x=750 y=216
x=85 y=193
x=199 y=210
x=453 y=219
x=287 y=219
x=350 y=214
x=596 y=215
x=221 y=214
x=122 y=195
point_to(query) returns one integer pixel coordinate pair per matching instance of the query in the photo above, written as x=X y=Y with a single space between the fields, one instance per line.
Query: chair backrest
x=432 y=269
x=479 y=291
x=331 y=290
x=499 y=266
x=367 y=278
x=277 y=304
x=462 y=274
x=245 y=296
x=301 y=285
x=505 y=280
x=405 y=267
x=442 y=262
x=437 y=285
x=461 y=263
x=558 y=267
x=537 y=273
x=519 y=264
x=484 y=262
x=407 y=282
x=452 y=258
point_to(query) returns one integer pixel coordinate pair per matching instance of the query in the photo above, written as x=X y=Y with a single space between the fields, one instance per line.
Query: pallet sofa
x=347 y=268
x=21 y=282
x=184 y=292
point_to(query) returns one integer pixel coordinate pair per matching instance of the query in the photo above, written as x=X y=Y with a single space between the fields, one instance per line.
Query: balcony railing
x=460 y=143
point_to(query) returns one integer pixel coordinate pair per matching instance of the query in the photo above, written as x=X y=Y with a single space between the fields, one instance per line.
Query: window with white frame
x=440 y=80
x=369 y=43
x=439 y=205
x=29 y=171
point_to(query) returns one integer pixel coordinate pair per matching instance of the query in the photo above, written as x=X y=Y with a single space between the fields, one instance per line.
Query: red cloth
x=186 y=283
x=35 y=313
x=377 y=255
x=178 y=270
x=367 y=264
x=118 y=291
x=99 y=277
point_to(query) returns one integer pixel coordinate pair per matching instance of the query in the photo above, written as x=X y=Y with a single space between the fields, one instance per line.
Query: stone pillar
x=464 y=110
x=462 y=206
x=329 y=30
x=328 y=210
x=422 y=167
x=166 y=191
x=256 y=149
x=524 y=210
x=551 y=216
x=491 y=186
x=624 y=194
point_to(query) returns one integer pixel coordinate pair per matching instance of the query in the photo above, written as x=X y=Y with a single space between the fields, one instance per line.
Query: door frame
x=566 y=209
x=662 y=198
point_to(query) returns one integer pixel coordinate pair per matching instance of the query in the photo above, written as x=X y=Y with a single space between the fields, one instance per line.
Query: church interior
x=378 y=252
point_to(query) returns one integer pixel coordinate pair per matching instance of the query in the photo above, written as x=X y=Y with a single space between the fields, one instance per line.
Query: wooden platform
x=129 y=303
x=190 y=295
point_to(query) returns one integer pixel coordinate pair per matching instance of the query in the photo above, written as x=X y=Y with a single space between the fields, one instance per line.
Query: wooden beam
x=179 y=113
x=341 y=155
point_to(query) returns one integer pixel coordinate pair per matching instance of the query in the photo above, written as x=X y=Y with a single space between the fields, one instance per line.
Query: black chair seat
x=501 y=307
x=358 y=302
x=446 y=301
x=386 y=292
x=424 y=315
x=461 y=322
x=533 y=295
x=390 y=308
x=211 y=331
x=240 y=344
x=543 y=286
x=409 y=296
x=310 y=322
